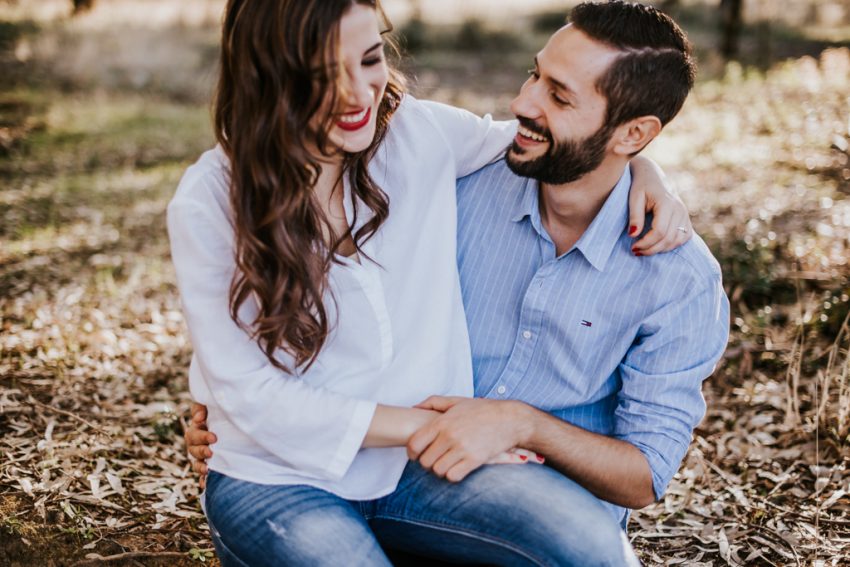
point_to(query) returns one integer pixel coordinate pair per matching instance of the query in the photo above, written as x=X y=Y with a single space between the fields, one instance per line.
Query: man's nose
x=526 y=104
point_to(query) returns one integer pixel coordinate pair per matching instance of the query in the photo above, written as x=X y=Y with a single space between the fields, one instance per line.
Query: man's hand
x=198 y=441
x=470 y=433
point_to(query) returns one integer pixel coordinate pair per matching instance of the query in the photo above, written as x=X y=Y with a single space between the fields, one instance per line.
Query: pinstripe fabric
x=616 y=344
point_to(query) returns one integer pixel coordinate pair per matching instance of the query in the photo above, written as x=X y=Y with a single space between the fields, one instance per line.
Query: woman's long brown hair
x=277 y=74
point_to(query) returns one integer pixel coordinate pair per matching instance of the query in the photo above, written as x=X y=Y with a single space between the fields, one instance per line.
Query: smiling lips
x=354 y=120
x=526 y=137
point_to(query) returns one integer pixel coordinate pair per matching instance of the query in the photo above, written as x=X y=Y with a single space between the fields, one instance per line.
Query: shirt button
x=501 y=389
x=526 y=334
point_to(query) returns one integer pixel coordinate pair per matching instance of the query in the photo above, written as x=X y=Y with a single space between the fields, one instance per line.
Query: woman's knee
x=288 y=525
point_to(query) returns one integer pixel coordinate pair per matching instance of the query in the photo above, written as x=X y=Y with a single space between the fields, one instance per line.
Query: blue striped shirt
x=610 y=342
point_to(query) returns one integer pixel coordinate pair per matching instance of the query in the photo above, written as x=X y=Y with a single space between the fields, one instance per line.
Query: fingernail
x=632 y=230
x=540 y=459
x=638 y=254
x=523 y=458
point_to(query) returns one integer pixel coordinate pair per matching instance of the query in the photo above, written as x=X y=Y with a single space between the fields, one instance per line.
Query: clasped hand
x=471 y=432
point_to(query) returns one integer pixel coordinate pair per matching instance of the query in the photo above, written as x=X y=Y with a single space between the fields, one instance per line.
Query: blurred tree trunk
x=82 y=6
x=731 y=19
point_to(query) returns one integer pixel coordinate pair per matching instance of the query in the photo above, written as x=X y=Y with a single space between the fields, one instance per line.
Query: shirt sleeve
x=312 y=429
x=661 y=400
x=474 y=141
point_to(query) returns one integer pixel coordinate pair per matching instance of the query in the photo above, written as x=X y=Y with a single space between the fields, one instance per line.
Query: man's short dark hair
x=655 y=72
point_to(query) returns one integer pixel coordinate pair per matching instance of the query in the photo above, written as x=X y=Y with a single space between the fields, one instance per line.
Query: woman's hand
x=650 y=193
x=517 y=456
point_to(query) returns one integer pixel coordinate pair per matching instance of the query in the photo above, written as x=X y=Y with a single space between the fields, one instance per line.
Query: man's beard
x=565 y=161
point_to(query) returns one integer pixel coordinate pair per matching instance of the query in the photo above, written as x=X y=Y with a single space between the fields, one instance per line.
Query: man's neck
x=568 y=210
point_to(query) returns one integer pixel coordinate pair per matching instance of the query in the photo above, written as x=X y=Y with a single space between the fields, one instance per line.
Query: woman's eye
x=372 y=62
x=534 y=73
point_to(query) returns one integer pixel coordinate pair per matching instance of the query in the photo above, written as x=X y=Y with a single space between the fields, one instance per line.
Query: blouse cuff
x=352 y=441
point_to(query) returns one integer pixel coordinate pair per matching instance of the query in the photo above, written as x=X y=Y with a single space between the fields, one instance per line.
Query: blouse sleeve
x=311 y=429
x=474 y=141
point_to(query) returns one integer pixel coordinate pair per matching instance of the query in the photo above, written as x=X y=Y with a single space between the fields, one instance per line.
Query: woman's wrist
x=392 y=426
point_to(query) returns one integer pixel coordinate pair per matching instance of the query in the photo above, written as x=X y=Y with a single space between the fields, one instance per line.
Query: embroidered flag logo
x=586 y=323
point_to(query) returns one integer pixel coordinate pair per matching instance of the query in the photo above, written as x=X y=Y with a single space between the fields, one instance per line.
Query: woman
x=318 y=319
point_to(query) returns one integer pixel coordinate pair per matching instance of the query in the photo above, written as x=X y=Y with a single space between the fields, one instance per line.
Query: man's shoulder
x=494 y=174
x=694 y=261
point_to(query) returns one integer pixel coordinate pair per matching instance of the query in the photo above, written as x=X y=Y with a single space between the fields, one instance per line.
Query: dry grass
x=93 y=351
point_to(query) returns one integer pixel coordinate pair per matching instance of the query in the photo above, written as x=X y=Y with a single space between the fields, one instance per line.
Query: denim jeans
x=499 y=515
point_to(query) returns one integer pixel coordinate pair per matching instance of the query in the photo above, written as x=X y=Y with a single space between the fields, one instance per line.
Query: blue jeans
x=500 y=514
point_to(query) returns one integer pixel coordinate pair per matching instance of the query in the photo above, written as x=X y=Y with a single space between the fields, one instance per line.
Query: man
x=583 y=350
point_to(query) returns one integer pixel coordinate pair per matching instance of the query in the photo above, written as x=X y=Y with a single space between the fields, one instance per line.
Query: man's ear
x=633 y=136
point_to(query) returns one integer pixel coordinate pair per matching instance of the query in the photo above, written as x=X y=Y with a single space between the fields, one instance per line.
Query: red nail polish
x=523 y=458
x=638 y=254
x=632 y=230
x=540 y=459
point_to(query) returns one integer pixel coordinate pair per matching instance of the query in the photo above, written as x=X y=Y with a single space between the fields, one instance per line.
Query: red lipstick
x=351 y=126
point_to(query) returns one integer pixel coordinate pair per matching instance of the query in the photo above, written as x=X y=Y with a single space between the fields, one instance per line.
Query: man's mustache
x=534 y=127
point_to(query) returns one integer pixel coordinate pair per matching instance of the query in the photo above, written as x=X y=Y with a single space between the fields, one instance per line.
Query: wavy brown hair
x=278 y=74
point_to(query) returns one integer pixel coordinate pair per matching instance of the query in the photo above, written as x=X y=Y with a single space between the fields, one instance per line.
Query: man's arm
x=659 y=404
x=611 y=469
x=470 y=430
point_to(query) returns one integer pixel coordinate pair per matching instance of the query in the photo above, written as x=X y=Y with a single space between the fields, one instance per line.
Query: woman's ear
x=633 y=136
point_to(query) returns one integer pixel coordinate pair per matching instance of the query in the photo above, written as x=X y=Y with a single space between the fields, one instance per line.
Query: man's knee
x=571 y=526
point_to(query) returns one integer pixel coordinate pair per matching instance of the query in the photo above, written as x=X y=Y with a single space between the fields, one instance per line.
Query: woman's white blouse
x=399 y=335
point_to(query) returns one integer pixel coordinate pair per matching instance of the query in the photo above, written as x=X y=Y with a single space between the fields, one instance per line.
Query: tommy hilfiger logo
x=586 y=323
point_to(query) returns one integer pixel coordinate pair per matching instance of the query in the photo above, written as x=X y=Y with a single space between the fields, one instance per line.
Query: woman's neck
x=328 y=188
x=330 y=195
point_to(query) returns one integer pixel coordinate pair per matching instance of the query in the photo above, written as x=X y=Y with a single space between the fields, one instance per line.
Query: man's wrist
x=525 y=419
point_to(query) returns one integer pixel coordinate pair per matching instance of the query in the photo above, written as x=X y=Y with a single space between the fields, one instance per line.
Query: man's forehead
x=574 y=58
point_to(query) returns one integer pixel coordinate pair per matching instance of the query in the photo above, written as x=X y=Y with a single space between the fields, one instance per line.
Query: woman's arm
x=391 y=426
x=474 y=141
x=651 y=194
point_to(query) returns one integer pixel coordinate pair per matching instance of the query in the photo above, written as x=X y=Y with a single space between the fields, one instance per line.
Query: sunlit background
x=101 y=110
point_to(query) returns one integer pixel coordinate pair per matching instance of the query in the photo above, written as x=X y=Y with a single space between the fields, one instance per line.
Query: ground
x=97 y=124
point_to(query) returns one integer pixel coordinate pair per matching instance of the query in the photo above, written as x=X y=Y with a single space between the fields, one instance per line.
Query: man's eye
x=534 y=73
x=558 y=100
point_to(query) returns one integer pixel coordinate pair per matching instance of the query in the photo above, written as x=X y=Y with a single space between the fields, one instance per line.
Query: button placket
x=369 y=276
x=524 y=343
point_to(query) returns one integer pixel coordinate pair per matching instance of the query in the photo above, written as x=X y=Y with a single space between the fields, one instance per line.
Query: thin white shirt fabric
x=400 y=333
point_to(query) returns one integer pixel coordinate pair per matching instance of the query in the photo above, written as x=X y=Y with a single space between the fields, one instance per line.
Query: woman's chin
x=355 y=142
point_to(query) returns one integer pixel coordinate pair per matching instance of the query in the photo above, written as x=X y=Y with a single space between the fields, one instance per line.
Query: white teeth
x=529 y=134
x=352 y=118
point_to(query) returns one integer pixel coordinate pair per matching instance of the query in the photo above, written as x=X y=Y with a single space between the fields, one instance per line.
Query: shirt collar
x=597 y=242
x=526 y=203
